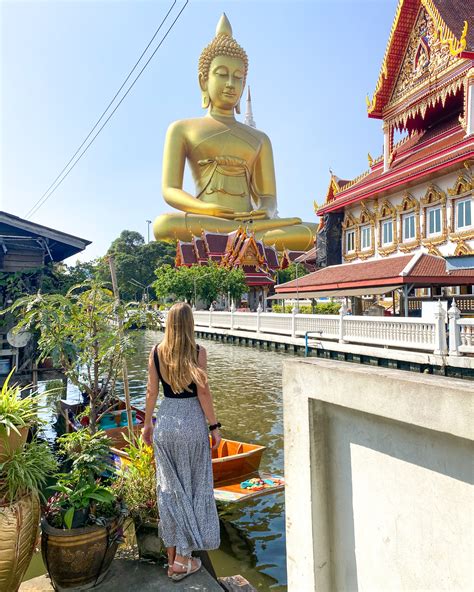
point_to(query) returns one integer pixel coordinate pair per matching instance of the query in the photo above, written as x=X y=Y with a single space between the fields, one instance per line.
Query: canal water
x=246 y=385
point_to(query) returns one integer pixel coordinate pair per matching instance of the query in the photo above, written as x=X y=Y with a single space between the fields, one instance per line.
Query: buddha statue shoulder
x=231 y=163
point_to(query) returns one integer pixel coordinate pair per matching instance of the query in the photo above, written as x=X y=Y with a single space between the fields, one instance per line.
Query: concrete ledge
x=379 y=474
x=126 y=575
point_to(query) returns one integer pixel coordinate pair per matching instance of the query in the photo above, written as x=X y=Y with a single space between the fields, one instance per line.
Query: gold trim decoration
x=443 y=32
x=462 y=188
x=371 y=104
x=463 y=249
x=432 y=250
x=386 y=212
x=462 y=185
x=349 y=223
x=433 y=197
x=409 y=205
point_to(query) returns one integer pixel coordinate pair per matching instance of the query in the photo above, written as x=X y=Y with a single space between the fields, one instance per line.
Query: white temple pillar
x=470 y=103
x=386 y=147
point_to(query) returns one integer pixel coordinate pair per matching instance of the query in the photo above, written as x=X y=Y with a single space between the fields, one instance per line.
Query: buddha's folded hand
x=252 y=215
x=211 y=209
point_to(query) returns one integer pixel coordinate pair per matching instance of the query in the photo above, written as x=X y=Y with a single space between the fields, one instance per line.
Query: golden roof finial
x=223 y=26
x=370 y=159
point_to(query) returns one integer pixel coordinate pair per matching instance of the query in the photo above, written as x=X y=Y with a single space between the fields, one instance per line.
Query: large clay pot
x=18 y=532
x=79 y=558
x=11 y=442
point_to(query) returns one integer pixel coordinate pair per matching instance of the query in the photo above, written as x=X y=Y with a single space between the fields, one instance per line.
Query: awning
x=347 y=292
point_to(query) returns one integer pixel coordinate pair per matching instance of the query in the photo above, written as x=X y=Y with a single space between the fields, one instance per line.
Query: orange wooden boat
x=232 y=463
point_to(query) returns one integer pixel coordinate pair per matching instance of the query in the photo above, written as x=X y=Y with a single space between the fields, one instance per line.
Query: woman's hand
x=216 y=439
x=147 y=434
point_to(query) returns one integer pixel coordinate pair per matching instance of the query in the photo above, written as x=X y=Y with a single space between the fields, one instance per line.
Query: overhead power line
x=60 y=178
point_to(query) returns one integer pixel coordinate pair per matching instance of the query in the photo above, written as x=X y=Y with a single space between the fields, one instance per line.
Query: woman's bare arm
x=152 y=390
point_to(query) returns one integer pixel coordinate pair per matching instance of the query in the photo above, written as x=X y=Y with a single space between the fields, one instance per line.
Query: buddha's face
x=226 y=81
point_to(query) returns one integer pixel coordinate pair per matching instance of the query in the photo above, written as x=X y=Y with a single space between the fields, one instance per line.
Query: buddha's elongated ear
x=205 y=98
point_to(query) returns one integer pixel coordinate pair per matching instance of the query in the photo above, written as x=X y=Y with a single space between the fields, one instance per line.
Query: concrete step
x=126 y=575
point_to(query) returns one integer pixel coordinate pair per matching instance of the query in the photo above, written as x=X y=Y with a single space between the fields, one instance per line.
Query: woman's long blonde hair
x=178 y=351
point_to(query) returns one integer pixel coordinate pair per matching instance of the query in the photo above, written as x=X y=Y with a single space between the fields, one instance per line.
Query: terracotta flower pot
x=79 y=557
x=11 y=442
x=18 y=531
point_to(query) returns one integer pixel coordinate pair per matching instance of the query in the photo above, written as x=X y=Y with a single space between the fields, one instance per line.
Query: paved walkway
x=126 y=575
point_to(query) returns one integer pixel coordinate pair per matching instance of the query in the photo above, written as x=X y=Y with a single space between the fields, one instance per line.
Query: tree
x=289 y=274
x=135 y=263
x=79 y=331
x=205 y=282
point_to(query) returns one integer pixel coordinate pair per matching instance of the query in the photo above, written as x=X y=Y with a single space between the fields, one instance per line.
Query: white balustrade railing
x=466 y=336
x=400 y=332
x=326 y=326
x=276 y=323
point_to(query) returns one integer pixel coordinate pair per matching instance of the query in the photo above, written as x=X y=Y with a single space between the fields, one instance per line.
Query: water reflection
x=246 y=384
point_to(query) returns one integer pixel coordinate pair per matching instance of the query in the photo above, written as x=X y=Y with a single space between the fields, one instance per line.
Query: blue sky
x=311 y=65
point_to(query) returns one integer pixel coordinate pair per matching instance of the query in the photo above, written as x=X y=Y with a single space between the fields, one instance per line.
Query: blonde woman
x=188 y=514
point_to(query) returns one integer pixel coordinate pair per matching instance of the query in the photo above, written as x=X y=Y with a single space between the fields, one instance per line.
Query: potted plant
x=137 y=486
x=22 y=475
x=82 y=523
x=17 y=414
x=79 y=331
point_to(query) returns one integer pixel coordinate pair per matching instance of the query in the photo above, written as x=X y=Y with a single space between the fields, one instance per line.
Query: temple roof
x=449 y=18
x=419 y=269
x=443 y=147
x=186 y=254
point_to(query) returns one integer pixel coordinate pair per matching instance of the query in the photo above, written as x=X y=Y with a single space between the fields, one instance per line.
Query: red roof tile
x=426 y=270
x=216 y=243
x=271 y=257
x=188 y=253
x=454 y=13
x=411 y=162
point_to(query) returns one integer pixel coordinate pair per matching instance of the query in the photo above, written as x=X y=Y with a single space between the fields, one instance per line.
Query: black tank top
x=167 y=390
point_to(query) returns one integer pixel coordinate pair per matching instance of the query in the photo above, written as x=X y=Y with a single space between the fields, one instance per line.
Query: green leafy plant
x=137 y=482
x=86 y=483
x=26 y=470
x=16 y=411
x=79 y=332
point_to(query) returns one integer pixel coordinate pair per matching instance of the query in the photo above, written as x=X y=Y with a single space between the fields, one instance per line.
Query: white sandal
x=180 y=576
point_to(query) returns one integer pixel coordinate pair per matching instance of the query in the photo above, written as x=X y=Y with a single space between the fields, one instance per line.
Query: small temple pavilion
x=394 y=225
x=260 y=263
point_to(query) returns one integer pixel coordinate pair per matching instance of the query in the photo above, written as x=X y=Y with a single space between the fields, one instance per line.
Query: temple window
x=350 y=241
x=387 y=232
x=409 y=233
x=365 y=237
x=463 y=213
x=434 y=221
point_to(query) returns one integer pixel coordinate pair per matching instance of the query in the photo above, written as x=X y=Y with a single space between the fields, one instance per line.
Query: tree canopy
x=203 y=282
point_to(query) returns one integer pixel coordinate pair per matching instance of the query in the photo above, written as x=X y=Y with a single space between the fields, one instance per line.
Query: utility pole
x=148 y=222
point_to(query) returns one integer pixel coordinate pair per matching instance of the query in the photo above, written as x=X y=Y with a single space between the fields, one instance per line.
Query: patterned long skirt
x=186 y=505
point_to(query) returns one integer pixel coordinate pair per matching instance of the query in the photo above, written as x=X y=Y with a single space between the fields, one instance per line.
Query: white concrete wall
x=379 y=473
x=444 y=183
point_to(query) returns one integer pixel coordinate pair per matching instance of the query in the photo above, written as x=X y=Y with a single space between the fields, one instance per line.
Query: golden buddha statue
x=231 y=163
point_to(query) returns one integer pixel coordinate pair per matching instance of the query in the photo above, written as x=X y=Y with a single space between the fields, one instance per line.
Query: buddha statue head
x=223 y=66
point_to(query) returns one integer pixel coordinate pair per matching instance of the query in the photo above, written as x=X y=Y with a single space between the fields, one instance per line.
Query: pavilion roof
x=443 y=148
x=419 y=269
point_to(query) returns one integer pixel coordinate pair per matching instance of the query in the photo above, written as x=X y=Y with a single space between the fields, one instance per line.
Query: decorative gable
x=425 y=59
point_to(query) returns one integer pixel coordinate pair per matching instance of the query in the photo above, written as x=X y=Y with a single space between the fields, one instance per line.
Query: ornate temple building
x=259 y=262
x=417 y=197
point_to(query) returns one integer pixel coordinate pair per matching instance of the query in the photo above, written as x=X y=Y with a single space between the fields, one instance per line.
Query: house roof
x=419 y=269
x=443 y=147
x=271 y=257
x=216 y=243
x=59 y=245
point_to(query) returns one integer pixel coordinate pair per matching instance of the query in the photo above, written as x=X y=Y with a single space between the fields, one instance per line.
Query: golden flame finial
x=223 y=26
